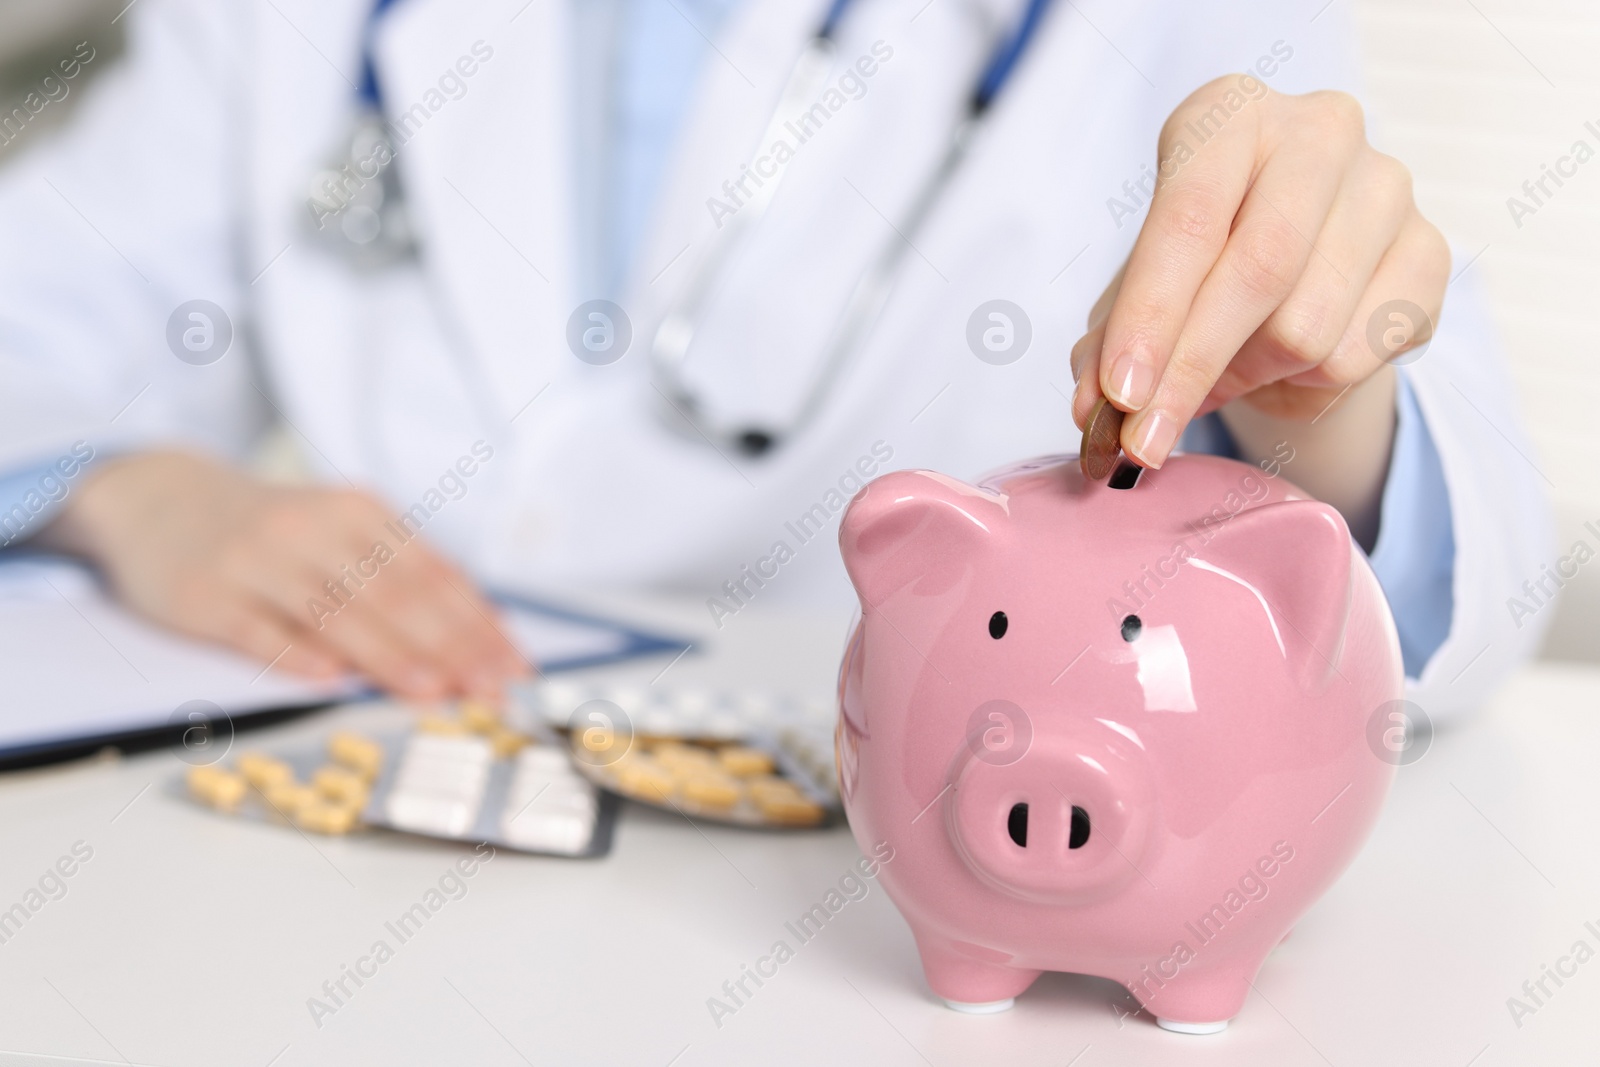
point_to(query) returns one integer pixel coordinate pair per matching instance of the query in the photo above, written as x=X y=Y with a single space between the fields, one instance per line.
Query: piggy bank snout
x=1067 y=822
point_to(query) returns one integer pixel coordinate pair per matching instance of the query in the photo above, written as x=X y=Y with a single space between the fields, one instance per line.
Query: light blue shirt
x=635 y=63
x=31 y=495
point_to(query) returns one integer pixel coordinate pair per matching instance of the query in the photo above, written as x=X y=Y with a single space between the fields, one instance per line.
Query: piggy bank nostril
x=1017 y=824
x=1080 y=828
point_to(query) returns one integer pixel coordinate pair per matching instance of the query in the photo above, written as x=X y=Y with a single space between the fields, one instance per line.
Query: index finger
x=1207 y=160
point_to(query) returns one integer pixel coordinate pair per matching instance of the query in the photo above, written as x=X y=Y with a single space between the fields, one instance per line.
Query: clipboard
x=80 y=674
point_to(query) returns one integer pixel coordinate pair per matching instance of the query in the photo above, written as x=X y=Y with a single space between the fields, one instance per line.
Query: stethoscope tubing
x=670 y=348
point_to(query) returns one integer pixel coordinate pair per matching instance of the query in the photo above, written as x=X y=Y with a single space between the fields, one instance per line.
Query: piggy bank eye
x=1131 y=627
x=997 y=625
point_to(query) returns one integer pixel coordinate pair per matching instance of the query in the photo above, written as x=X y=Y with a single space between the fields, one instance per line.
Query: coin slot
x=1126 y=476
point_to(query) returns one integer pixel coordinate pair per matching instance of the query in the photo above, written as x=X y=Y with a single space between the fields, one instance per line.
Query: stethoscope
x=670 y=348
x=357 y=207
x=358 y=212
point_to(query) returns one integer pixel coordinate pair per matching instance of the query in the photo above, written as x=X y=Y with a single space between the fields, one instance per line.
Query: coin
x=1102 y=441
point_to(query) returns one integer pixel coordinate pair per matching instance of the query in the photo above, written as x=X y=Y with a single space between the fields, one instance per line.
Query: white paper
x=74 y=664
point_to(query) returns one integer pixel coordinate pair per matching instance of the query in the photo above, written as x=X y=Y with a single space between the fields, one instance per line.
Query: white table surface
x=190 y=939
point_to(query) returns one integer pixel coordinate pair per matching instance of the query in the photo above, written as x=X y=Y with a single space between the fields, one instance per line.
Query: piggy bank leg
x=1191 y=1028
x=1197 y=1001
x=968 y=984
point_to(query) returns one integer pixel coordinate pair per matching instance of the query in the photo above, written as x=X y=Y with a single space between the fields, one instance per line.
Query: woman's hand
x=1276 y=235
x=209 y=551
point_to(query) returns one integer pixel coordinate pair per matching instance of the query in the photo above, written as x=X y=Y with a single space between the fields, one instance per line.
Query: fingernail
x=1157 y=435
x=1131 y=381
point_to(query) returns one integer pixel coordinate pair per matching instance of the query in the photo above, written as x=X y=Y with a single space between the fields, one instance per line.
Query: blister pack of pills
x=733 y=758
x=454 y=786
x=462 y=777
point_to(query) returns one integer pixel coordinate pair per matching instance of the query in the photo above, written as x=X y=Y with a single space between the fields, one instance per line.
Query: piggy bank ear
x=1297 y=556
x=915 y=527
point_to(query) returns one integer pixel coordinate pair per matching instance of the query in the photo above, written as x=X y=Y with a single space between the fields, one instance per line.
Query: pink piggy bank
x=1111 y=731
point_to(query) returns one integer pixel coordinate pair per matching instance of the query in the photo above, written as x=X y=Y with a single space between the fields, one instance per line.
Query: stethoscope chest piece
x=356 y=207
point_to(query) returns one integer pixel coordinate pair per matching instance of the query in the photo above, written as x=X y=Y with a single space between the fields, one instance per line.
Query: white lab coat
x=185 y=176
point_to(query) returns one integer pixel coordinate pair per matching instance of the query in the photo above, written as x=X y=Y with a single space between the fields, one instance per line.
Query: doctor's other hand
x=210 y=551
x=1275 y=234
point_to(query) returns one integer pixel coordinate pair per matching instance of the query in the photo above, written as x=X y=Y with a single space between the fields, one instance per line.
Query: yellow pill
x=771 y=784
x=202 y=778
x=713 y=790
x=598 y=745
x=744 y=762
x=479 y=717
x=340 y=784
x=228 y=792
x=321 y=818
x=289 y=797
x=219 y=788
x=676 y=754
x=263 y=771
x=793 y=810
x=361 y=754
x=507 y=742
x=439 y=724
x=645 y=778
